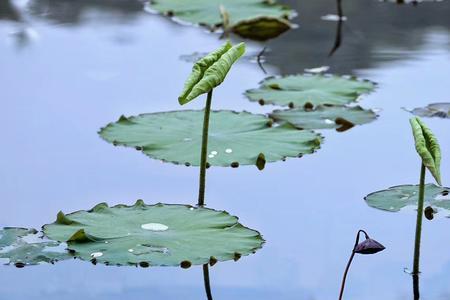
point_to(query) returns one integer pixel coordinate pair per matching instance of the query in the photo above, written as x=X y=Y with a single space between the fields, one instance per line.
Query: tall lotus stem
x=202 y=185
x=207 y=73
x=420 y=204
x=427 y=146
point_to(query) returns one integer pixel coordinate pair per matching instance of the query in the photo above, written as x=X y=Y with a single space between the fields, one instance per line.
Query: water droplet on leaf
x=96 y=254
x=154 y=227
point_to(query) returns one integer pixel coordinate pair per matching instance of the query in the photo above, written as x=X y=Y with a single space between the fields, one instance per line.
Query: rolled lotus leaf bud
x=369 y=246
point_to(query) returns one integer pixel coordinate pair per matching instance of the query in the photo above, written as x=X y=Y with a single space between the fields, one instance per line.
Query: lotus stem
x=206 y=281
x=344 y=278
x=420 y=204
x=201 y=191
x=202 y=184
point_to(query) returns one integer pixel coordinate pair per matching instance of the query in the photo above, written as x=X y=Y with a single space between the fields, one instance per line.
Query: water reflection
x=371 y=26
x=8 y=11
x=81 y=11
x=374 y=33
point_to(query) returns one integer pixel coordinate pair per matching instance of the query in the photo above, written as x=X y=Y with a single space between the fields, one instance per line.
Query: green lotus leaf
x=210 y=71
x=395 y=198
x=154 y=235
x=230 y=14
x=325 y=117
x=9 y=235
x=427 y=146
x=441 y=110
x=234 y=138
x=310 y=90
x=23 y=246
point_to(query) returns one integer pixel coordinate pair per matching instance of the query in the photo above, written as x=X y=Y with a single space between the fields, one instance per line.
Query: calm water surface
x=69 y=67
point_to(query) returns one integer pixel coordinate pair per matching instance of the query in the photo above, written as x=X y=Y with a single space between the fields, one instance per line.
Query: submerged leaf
x=395 y=198
x=234 y=138
x=155 y=235
x=310 y=90
x=324 y=117
x=210 y=71
x=23 y=246
x=427 y=147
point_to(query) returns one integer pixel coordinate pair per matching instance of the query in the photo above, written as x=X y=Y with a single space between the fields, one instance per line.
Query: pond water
x=68 y=68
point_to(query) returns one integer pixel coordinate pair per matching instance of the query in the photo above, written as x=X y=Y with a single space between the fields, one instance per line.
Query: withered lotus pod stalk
x=368 y=246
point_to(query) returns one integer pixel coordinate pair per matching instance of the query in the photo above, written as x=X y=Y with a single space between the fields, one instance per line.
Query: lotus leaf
x=23 y=246
x=234 y=138
x=254 y=19
x=324 y=117
x=395 y=198
x=310 y=90
x=210 y=71
x=427 y=147
x=441 y=110
x=154 y=235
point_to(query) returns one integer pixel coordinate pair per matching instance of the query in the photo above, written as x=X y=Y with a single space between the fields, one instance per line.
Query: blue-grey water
x=68 y=68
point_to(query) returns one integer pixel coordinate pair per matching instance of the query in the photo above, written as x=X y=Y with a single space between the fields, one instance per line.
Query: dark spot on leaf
x=208 y=165
x=212 y=261
x=94 y=261
x=122 y=119
x=19 y=265
x=261 y=101
x=261 y=161
x=138 y=148
x=144 y=264
x=445 y=193
x=187 y=164
x=429 y=212
x=185 y=264
x=274 y=86
x=237 y=256
x=291 y=104
x=344 y=124
x=234 y=164
x=308 y=106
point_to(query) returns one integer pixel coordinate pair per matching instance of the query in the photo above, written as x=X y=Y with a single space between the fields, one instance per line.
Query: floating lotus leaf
x=234 y=138
x=154 y=235
x=23 y=246
x=324 y=117
x=266 y=18
x=441 y=110
x=427 y=147
x=9 y=235
x=210 y=71
x=310 y=90
x=395 y=198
